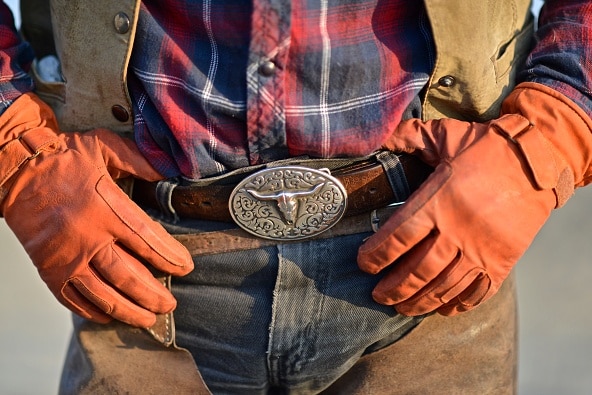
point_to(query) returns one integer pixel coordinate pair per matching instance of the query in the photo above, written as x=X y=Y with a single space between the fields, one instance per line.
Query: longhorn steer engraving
x=287 y=202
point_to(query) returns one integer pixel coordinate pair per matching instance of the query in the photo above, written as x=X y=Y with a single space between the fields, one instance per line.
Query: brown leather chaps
x=472 y=353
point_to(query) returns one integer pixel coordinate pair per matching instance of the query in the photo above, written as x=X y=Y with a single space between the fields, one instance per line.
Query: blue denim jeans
x=289 y=318
x=296 y=318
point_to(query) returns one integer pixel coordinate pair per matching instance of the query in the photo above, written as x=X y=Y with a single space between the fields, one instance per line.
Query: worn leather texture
x=366 y=183
x=116 y=358
x=472 y=353
x=493 y=188
x=88 y=240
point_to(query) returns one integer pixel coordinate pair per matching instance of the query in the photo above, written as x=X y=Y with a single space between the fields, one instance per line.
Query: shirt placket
x=266 y=120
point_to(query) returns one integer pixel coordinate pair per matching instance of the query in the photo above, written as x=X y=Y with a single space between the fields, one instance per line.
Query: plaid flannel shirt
x=219 y=85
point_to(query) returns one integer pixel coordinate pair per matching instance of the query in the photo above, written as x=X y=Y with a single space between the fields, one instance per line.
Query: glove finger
x=476 y=293
x=406 y=228
x=142 y=235
x=78 y=304
x=398 y=236
x=431 y=141
x=132 y=279
x=414 y=270
x=111 y=302
x=444 y=288
x=412 y=136
x=120 y=155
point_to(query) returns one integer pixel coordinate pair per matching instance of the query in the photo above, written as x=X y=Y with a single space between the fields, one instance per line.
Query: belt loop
x=395 y=173
x=164 y=193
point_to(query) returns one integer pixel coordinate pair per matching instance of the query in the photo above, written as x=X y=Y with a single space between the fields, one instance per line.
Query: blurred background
x=554 y=289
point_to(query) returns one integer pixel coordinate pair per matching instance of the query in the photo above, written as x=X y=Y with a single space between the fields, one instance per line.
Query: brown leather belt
x=230 y=240
x=366 y=183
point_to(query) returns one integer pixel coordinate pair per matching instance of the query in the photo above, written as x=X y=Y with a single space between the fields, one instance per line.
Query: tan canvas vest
x=480 y=44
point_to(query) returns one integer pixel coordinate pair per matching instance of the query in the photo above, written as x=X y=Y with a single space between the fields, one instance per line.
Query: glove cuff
x=555 y=139
x=27 y=128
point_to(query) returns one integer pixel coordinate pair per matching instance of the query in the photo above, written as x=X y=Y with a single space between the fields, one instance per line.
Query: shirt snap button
x=447 y=81
x=267 y=68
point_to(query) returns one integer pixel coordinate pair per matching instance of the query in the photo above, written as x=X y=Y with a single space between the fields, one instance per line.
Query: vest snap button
x=120 y=113
x=121 y=23
x=447 y=81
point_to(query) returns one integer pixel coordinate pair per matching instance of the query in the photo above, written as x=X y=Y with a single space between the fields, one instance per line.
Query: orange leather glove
x=88 y=240
x=456 y=239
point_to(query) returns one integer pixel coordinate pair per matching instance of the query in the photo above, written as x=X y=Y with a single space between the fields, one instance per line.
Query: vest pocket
x=51 y=92
x=511 y=55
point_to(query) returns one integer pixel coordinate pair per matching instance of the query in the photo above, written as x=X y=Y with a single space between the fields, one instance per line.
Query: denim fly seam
x=295 y=316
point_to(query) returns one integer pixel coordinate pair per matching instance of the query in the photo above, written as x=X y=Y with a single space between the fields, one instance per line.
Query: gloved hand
x=456 y=239
x=88 y=240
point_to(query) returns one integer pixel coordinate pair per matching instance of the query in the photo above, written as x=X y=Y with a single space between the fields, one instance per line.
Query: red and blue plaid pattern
x=562 y=56
x=225 y=84
x=221 y=84
x=15 y=59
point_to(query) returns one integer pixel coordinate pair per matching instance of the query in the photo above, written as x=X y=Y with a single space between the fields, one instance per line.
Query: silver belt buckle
x=288 y=202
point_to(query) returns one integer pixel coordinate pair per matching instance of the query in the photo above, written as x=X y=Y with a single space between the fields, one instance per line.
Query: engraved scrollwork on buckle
x=288 y=202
